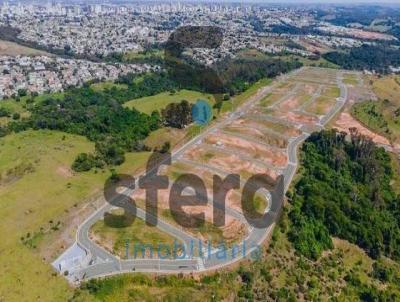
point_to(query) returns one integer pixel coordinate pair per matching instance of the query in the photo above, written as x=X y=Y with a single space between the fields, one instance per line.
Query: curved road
x=102 y=263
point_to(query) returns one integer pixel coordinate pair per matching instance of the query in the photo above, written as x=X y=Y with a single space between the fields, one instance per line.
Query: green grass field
x=37 y=187
x=350 y=79
x=240 y=99
x=134 y=55
x=382 y=116
x=107 y=85
x=161 y=100
x=115 y=233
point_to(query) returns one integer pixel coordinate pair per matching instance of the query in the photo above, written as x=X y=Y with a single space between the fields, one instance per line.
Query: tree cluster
x=177 y=115
x=378 y=58
x=345 y=191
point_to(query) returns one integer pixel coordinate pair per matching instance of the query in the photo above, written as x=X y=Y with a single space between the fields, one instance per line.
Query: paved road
x=103 y=263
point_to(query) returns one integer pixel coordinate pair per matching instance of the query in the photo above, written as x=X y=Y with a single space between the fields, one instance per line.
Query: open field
x=265 y=136
x=382 y=116
x=257 y=122
x=232 y=163
x=161 y=100
x=107 y=85
x=240 y=99
x=295 y=117
x=29 y=162
x=251 y=148
x=317 y=76
x=158 y=138
x=13 y=49
x=321 y=105
x=112 y=233
x=350 y=79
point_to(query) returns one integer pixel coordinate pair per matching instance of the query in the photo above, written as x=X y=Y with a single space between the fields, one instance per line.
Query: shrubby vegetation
x=345 y=191
x=370 y=57
x=370 y=114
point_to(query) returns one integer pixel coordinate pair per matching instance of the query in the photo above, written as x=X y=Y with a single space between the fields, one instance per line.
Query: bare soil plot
x=350 y=79
x=294 y=102
x=310 y=88
x=249 y=148
x=285 y=86
x=331 y=91
x=321 y=105
x=232 y=230
x=270 y=99
x=296 y=117
x=346 y=121
x=256 y=133
x=259 y=122
x=13 y=49
x=231 y=163
x=316 y=75
x=114 y=230
x=179 y=169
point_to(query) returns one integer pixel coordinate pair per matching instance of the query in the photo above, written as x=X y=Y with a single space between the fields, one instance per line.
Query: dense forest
x=345 y=191
x=369 y=57
x=238 y=74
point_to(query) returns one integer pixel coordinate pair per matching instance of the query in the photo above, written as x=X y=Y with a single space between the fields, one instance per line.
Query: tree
x=177 y=115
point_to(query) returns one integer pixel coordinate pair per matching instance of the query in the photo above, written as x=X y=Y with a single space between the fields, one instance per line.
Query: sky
x=290 y=1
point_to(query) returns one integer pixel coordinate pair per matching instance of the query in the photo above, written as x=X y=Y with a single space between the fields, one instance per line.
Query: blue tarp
x=201 y=112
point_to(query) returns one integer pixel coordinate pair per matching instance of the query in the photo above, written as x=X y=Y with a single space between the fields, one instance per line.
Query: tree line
x=378 y=57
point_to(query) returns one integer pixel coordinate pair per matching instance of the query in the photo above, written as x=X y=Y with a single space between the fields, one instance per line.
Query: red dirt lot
x=245 y=169
x=346 y=121
x=232 y=163
x=231 y=230
x=280 y=128
x=251 y=149
x=259 y=134
x=296 y=117
x=291 y=103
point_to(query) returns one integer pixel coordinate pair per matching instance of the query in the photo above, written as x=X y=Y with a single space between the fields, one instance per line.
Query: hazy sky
x=304 y=1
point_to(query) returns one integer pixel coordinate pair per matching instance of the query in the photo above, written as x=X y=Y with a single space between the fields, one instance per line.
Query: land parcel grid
x=231 y=232
x=255 y=140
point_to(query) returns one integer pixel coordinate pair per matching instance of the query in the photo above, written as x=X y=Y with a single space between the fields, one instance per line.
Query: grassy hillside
x=382 y=116
x=161 y=100
x=37 y=189
x=13 y=49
